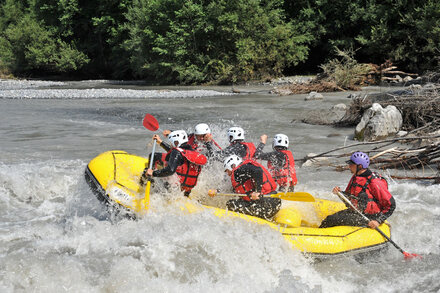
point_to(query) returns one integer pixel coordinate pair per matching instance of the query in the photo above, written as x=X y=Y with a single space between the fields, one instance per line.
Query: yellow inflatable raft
x=114 y=177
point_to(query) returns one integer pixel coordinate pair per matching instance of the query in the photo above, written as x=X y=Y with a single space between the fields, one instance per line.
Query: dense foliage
x=200 y=41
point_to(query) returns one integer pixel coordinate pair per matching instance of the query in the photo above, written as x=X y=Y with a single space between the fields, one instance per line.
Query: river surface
x=55 y=235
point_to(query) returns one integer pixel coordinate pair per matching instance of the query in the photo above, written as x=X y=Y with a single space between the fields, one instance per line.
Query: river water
x=55 y=236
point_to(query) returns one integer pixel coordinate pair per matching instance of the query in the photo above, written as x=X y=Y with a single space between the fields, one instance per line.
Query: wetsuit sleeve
x=276 y=158
x=165 y=146
x=252 y=172
x=259 y=151
x=209 y=149
x=175 y=160
x=239 y=150
x=233 y=149
x=214 y=154
x=385 y=200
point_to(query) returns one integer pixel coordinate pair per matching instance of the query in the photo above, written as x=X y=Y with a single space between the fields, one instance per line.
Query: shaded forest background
x=221 y=41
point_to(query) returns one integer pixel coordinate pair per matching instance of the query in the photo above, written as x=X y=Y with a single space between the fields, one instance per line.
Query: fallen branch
x=368 y=143
x=416 y=177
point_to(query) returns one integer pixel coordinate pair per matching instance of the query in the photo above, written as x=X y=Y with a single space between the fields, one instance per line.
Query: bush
x=346 y=72
x=200 y=41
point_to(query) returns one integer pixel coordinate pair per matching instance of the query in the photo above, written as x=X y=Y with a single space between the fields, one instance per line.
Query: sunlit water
x=55 y=236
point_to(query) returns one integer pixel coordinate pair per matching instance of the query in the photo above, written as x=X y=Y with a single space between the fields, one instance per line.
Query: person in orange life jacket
x=251 y=178
x=280 y=162
x=180 y=159
x=245 y=150
x=368 y=192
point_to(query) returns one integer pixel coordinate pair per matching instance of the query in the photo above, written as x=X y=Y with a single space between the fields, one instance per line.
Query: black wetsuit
x=235 y=148
x=277 y=159
x=174 y=159
x=264 y=207
x=349 y=217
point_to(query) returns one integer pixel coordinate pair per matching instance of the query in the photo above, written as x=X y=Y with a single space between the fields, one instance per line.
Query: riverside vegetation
x=195 y=42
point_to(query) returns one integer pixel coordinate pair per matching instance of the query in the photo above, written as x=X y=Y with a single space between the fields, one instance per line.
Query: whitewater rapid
x=55 y=236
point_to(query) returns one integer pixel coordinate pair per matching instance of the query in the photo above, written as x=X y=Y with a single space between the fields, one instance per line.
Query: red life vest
x=250 y=150
x=286 y=176
x=189 y=171
x=360 y=187
x=268 y=185
x=192 y=141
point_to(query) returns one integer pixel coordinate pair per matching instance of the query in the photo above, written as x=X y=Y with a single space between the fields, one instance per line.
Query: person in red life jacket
x=368 y=191
x=251 y=178
x=201 y=140
x=182 y=160
x=245 y=150
x=280 y=162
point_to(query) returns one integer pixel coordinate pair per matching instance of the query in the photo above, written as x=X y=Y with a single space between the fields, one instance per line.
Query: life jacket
x=250 y=150
x=267 y=187
x=285 y=176
x=360 y=193
x=192 y=141
x=189 y=171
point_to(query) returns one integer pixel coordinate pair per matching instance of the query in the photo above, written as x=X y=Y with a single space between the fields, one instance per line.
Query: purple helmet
x=359 y=158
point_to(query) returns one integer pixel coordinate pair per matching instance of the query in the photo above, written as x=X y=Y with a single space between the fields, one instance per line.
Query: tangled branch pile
x=422 y=161
x=420 y=108
x=417 y=151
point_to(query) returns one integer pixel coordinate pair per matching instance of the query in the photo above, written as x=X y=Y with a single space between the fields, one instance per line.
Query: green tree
x=200 y=41
x=404 y=31
x=27 y=44
x=411 y=37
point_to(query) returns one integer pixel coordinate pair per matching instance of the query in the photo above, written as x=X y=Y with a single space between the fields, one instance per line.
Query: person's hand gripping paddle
x=150 y=123
x=406 y=254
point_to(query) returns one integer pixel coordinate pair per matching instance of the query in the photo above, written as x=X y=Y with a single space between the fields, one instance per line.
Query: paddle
x=406 y=254
x=216 y=144
x=150 y=123
x=292 y=196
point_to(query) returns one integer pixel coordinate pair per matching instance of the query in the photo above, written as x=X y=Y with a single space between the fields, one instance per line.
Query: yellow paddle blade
x=295 y=196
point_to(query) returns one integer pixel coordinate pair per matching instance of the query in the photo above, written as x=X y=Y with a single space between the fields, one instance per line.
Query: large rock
x=378 y=123
x=314 y=96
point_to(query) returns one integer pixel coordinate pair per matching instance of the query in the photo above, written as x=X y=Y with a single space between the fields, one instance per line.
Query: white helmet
x=178 y=136
x=202 y=129
x=232 y=160
x=235 y=133
x=280 y=140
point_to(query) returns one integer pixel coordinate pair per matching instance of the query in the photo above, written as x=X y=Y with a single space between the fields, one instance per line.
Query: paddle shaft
x=344 y=199
x=152 y=155
x=291 y=196
x=216 y=144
